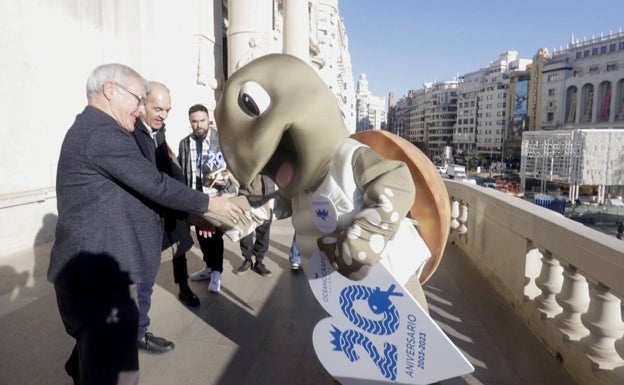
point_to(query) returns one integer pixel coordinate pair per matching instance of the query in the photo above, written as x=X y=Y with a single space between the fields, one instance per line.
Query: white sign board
x=377 y=332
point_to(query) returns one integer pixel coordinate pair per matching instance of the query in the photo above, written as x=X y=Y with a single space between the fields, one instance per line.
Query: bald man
x=150 y=136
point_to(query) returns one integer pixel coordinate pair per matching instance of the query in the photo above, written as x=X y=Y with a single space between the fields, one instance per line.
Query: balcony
x=564 y=280
x=527 y=295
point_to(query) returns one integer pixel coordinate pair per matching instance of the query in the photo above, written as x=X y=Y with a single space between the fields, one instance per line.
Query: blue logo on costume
x=323 y=214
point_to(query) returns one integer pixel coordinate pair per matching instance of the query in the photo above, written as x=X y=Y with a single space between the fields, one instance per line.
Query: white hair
x=112 y=72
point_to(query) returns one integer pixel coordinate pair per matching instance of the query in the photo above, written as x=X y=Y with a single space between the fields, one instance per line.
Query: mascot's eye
x=253 y=99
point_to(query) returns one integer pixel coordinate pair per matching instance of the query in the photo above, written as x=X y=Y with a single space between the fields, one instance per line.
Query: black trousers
x=260 y=246
x=177 y=238
x=212 y=250
x=98 y=311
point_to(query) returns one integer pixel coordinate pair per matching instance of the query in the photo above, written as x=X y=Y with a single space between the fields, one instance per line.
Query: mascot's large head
x=276 y=116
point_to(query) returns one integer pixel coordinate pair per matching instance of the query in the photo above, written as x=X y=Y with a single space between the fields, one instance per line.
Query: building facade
x=334 y=59
x=578 y=157
x=440 y=117
x=584 y=85
x=191 y=46
x=371 y=109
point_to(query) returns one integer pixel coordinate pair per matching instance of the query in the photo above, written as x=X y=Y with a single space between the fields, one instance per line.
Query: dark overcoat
x=106 y=190
x=176 y=228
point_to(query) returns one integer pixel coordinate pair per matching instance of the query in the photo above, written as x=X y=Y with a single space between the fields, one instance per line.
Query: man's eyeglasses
x=140 y=99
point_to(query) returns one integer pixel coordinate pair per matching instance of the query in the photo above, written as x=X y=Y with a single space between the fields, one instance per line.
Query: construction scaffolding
x=575 y=157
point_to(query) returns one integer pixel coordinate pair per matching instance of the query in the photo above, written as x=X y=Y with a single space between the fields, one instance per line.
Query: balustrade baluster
x=574 y=299
x=604 y=321
x=549 y=282
x=463 y=217
x=454 y=214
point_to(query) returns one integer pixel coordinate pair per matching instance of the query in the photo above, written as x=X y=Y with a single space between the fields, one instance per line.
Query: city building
x=396 y=112
x=334 y=59
x=430 y=117
x=440 y=117
x=584 y=85
x=470 y=114
x=575 y=158
x=535 y=71
x=371 y=109
x=414 y=121
x=465 y=132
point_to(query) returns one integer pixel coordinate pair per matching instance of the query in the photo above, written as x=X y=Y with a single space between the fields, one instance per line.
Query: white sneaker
x=215 y=282
x=201 y=275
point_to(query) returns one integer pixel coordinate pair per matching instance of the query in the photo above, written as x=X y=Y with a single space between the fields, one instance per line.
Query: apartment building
x=470 y=114
x=584 y=85
x=465 y=132
x=371 y=109
x=440 y=117
x=333 y=58
x=415 y=122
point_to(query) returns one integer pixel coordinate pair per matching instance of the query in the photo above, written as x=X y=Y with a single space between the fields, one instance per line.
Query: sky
x=402 y=44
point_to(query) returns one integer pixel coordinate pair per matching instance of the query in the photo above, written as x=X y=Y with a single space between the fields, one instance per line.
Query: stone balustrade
x=565 y=280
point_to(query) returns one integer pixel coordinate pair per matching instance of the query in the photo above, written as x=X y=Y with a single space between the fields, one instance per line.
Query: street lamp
x=490 y=161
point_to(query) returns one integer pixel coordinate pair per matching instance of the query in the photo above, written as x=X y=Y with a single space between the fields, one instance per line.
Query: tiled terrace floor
x=257 y=331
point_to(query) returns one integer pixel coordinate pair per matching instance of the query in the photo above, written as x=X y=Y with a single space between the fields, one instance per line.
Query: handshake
x=231 y=214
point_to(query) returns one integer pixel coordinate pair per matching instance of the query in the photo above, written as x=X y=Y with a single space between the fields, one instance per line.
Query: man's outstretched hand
x=222 y=206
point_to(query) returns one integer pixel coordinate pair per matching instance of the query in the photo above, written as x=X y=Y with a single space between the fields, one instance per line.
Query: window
x=612 y=47
x=586 y=53
x=551 y=92
x=552 y=78
x=579 y=54
x=611 y=67
x=621 y=45
x=594 y=70
x=550 y=117
x=322 y=38
x=578 y=73
x=603 y=49
x=595 y=51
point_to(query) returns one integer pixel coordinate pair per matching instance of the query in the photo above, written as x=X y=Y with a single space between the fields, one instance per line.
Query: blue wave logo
x=378 y=301
x=348 y=340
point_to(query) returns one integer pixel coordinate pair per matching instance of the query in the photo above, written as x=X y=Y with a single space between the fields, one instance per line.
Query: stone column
x=296 y=29
x=250 y=28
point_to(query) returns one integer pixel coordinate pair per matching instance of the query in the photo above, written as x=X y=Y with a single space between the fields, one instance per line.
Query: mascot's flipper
x=431 y=207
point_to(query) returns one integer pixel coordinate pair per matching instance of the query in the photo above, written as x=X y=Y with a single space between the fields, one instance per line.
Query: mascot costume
x=370 y=212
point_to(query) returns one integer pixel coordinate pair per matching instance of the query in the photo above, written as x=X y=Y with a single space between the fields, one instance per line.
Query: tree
x=473 y=160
